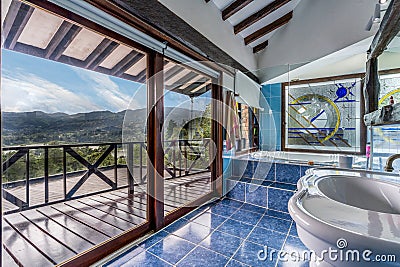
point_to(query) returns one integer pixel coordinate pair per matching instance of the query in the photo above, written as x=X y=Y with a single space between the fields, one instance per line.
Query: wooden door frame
x=155 y=104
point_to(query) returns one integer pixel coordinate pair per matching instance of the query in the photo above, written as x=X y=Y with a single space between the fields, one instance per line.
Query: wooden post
x=217 y=138
x=155 y=166
x=129 y=158
x=371 y=86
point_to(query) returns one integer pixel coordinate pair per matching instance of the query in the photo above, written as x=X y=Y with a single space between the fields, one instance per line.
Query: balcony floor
x=51 y=234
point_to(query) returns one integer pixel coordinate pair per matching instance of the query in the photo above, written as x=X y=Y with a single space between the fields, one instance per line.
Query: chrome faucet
x=389 y=162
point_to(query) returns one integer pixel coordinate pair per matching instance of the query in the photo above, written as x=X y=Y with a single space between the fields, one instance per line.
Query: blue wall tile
x=272 y=101
x=287 y=173
x=303 y=170
x=278 y=199
x=256 y=195
x=236 y=190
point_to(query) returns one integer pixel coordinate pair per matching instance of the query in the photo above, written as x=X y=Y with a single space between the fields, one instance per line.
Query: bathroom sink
x=362 y=193
x=360 y=209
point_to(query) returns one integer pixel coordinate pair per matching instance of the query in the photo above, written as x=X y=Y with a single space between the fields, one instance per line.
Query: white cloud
x=30 y=93
x=106 y=89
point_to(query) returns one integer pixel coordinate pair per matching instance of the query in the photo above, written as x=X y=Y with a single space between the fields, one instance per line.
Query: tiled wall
x=264 y=184
x=272 y=95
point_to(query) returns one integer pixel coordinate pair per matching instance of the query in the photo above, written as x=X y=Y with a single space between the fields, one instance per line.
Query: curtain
x=231 y=121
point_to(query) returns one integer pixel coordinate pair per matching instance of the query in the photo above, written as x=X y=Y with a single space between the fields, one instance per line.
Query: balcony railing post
x=115 y=166
x=173 y=157
x=27 y=178
x=46 y=175
x=65 y=172
x=141 y=163
x=130 y=168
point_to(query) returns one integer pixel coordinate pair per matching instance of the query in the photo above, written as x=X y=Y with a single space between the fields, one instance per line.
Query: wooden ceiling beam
x=184 y=80
x=10 y=18
x=15 y=23
x=62 y=38
x=269 y=28
x=233 y=8
x=275 y=5
x=260 y=47
x=172 y=72
x=103 y=50
x=127 y=62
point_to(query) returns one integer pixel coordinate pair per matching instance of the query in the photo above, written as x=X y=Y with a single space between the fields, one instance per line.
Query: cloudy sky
x=34 y=84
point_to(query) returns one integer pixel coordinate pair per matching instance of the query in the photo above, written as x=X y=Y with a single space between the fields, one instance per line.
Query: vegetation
x=33 y=128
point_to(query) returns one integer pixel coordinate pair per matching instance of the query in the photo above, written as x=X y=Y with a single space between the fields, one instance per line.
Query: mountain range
x=37 y=127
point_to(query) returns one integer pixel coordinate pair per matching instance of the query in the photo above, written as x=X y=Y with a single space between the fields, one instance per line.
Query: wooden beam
x=172 y=72
x=185 y=79
x=102 y=51
x=260 y=47
x=247 y=22
x=20 y=19
x=10 y=18
x=233 y=8
x=269 y=28
x=128 y=61
x=389 y=28
x=62 y=38
x=155 y=119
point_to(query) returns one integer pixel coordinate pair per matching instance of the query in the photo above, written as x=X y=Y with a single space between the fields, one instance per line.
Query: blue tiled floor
x=226 y=233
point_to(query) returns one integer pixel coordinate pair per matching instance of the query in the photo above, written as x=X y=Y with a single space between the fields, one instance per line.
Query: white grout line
x=198 y=245
x=283 y=245
x=244 y=239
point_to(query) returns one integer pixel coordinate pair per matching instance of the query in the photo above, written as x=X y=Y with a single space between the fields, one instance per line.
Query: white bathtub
x=324 y=159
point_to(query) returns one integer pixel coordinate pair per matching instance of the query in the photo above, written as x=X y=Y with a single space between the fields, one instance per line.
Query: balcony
x=50 y=219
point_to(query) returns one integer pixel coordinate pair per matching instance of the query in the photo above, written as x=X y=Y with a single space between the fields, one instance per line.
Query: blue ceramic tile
x=203 y=257
x=265 y=170
x=222 y=243
x=256 y=195
x=231 y=202
x=287 y=173
x=275 y=224
x=195 y=212
x=249 y=253
x=171 y=249
x=303 y=170
x=250 y=168
x=267 y=183
x=153 y=239
x=293 y=230
x=236 y=190
x=125 y=257
x=176 y=225
x=193 y=232
x=290 y=187
x=293 y=263
x=145 y=259
x=246 y=180
x=295 y=244
x=246 y=216
x=279 y=214
x=267 y=237
x=209 y=219
x=278 y=199
x=234 y=263
x=235 y=228
x=222 y=210
x=253 y=208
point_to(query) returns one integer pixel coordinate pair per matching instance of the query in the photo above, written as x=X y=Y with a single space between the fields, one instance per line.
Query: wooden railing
x=183 y=152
